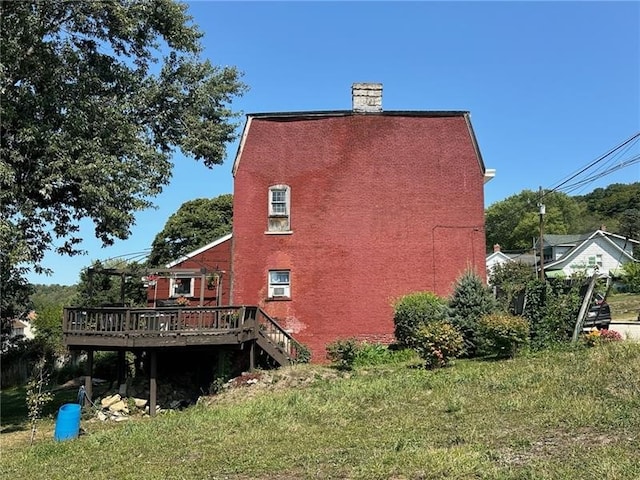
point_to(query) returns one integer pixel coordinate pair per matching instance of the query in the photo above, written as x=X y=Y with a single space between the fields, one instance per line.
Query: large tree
x=196 y=223
x=96 y=97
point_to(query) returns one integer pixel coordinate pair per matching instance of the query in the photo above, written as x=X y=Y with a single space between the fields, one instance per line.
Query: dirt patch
x=555 y=445
x=250 y=384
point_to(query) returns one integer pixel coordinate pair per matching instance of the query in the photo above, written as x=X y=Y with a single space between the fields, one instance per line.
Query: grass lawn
x=624 y=306
x=572 y=414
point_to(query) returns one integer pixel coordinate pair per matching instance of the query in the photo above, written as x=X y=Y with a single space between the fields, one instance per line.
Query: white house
x=601 y=251
x=498 y=257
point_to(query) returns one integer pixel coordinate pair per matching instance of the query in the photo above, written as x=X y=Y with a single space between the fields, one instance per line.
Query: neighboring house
x=202 y=276
x=339 y=213
x=600 y=251
x=21 y=328
x=498 y=257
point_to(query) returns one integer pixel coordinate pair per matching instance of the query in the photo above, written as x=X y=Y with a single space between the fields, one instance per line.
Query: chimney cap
x=366 y=97
x=496 y=248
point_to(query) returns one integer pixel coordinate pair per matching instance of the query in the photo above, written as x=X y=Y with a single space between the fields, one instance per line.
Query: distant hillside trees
x=99 y=287
x=513 y=223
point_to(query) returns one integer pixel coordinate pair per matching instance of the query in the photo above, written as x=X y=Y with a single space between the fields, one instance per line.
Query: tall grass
x=565 y=414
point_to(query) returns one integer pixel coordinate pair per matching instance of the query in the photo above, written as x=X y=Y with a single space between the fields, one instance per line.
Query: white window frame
x=173 y=283
x=279 y=288
x=273 y=214
x=599 y=260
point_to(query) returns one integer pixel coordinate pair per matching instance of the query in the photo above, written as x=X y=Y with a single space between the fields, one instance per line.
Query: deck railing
x=152 y=321
x=278 y=336
x=243 y=323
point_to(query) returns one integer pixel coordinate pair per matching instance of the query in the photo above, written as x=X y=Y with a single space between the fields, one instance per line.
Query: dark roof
x=566 y=239
x=526 y=258
x=346 y=113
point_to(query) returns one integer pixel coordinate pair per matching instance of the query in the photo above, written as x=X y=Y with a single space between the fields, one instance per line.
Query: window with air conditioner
x=279 y=284
x=279 y=209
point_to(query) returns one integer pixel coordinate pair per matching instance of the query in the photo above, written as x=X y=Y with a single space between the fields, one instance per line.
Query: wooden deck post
x=153 y=386
x=88 y=380
x=252 y=356
x=121 y=367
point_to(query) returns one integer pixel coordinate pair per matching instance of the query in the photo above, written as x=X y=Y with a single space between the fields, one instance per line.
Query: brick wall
x=380 y=206
x=215 y=258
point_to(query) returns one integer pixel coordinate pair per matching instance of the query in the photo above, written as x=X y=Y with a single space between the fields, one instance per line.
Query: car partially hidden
x=599 y=315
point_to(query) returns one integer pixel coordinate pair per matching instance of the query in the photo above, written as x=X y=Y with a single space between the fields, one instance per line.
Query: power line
x=592 y=164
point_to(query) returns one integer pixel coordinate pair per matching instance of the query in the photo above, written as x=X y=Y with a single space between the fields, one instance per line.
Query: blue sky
x=551 y=86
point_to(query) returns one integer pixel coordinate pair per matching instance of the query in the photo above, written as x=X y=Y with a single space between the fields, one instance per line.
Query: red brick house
x=338 y=213
x=200 y=277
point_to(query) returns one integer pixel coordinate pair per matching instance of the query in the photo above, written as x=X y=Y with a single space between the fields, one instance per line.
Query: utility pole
x=542 y=212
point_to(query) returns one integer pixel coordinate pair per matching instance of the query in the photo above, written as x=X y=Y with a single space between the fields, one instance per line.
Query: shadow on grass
x=14 y=414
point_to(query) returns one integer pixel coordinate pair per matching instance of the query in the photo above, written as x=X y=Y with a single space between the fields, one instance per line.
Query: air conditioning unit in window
x=279 y=292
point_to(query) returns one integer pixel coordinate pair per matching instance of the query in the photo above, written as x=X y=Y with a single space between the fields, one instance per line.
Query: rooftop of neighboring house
x=572 y=240
x=522 y=257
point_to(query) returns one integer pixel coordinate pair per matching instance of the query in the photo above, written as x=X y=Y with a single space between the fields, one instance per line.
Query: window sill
x=278 y=299
x=286 y=232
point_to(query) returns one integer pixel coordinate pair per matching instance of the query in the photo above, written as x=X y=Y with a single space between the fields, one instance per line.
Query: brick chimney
x=366 y=97
x=496 y=248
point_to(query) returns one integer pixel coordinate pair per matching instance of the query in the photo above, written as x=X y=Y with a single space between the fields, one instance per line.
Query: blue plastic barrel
x=68 y=422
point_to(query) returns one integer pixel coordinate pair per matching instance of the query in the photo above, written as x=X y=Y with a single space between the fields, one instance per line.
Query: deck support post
x=121 y=367
x=88 y=380
x=153 y=386
x=252 y=356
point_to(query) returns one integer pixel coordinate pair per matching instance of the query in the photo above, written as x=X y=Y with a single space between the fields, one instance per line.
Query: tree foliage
x=96 y=96
x=97 y=287
x=470 y=301
x=414 y=310
x=514 y=222
x=196 y=223
x=14 y=297
x=510 y=280
x=611 y=201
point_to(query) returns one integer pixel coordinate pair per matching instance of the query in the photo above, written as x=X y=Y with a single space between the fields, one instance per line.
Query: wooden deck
x=151 y=329
x=116 y=328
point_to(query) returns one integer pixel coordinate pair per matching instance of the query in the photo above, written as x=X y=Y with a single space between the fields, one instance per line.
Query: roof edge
x=348 y=113
x=200 y=250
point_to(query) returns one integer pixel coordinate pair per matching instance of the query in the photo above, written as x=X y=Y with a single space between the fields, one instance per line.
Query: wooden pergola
x=160 y=272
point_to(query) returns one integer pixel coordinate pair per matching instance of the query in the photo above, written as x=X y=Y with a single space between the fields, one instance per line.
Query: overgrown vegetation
x=37 y=395
x=569 y=413
x=438 y=343
x=502 y=335
x=415 y=310
x=350 y=353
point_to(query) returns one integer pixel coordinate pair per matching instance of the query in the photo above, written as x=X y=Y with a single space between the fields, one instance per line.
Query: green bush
x=632 y=276
x=551 y=309
x=470 y=301
x=438 y=343
x=413 y=311
x=302 y=353
x=502 y=335
x=343 y=353
x=349 y=353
